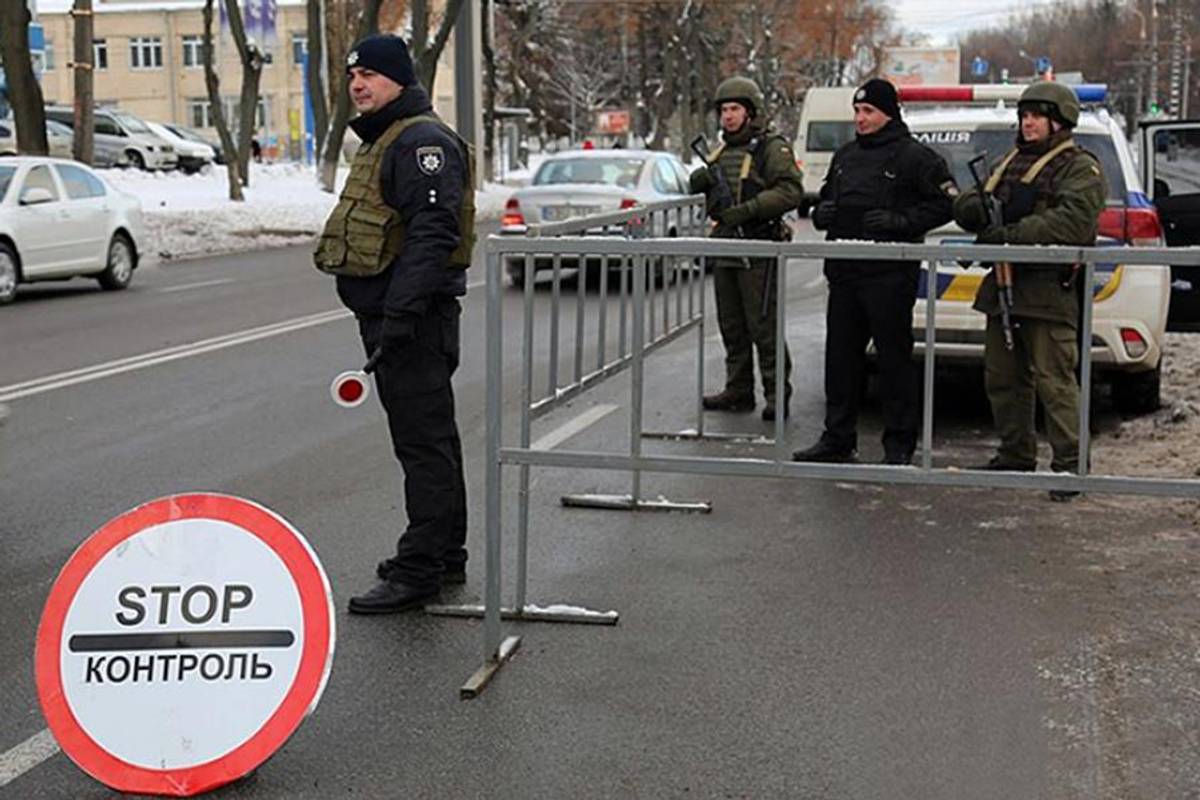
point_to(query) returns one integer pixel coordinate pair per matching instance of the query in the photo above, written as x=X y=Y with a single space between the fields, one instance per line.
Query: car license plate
x=560 y=213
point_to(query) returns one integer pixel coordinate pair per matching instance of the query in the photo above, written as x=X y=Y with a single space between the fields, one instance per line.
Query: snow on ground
x=192 y=215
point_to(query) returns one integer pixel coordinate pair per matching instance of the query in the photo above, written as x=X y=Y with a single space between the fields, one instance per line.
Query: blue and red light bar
x=989 y=92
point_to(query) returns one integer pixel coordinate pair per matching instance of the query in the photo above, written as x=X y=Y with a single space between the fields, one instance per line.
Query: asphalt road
x=807 y=639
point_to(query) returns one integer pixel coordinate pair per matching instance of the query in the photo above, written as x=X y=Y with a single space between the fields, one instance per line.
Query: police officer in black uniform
x=399 y=242
x=886 y=187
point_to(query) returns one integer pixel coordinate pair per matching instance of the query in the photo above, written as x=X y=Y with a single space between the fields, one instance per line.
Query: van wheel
x=9 y=273
x=136 y=160
x=118 y=272
x=1138 y=392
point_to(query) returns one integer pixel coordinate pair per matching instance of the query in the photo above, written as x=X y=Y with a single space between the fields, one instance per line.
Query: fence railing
x=678 y=263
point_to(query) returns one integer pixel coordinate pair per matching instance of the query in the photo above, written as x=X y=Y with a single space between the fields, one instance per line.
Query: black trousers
x=878 y=307
x=414 y=387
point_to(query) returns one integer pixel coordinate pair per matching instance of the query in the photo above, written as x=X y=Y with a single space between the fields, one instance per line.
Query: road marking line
x=184 y=287
x=27 y=755
x=96 y=372
x=573 y=426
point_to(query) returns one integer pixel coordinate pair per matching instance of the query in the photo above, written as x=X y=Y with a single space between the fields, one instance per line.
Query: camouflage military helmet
x=1054 y=99
x=740 y=90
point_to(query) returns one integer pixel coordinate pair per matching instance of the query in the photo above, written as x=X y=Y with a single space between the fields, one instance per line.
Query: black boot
x=390 y=597
x=826 y=452
x=728 y=400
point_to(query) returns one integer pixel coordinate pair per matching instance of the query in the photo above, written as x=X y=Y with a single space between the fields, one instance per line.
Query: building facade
x=148 y=57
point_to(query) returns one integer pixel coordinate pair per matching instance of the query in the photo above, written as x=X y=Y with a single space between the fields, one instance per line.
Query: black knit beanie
x=385 y=54
x=881 y=94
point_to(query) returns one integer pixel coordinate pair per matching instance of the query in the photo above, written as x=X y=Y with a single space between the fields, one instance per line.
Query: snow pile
x=192 y=215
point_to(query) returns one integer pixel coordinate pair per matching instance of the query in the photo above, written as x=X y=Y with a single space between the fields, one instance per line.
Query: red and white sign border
x=311 y=676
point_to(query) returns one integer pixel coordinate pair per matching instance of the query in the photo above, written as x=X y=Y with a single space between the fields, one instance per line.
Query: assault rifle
x=994 y=215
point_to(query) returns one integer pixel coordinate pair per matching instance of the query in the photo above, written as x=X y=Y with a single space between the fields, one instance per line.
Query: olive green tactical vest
x=364 y=234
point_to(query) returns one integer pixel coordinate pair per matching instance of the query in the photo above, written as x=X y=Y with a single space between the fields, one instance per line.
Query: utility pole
x=83 y=146
x=1154 y=53
x=1176 y=87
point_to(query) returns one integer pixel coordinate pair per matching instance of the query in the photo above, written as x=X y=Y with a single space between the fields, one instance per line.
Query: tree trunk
x=83 y=144
x=489 y=92
x=217 y=108
x=24 y=92
x=427 y=61
x=312 y=78
x=331 y=154
x=252 y=65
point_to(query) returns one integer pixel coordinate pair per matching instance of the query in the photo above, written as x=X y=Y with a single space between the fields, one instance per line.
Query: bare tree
x=83 y=144
x=24 y=92
x=587 y=80
x=312 y=77
x=339 y=89
x=426 y=53
x=217 y=108
x=250 y=54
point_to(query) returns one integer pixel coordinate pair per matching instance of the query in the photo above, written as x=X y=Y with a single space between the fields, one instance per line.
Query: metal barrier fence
x=640 y=260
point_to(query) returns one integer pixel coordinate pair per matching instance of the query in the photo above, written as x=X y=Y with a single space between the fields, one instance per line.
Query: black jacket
x=889 y=170
x=429 y=202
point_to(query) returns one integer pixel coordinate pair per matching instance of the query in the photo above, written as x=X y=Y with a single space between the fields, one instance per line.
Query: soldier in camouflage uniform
x=1051 y=192
x=765 y=182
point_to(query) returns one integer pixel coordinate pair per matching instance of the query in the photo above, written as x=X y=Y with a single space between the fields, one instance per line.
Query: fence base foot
x=483 y=676
x=532 y=613
x=625 y=502
x=693 y=435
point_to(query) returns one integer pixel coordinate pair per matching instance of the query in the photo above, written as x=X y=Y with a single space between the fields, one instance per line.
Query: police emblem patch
x=430 y=160
x=352 y=59
x=859 y=95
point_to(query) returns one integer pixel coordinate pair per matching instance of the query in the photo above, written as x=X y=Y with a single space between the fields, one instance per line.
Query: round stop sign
x=183 y=643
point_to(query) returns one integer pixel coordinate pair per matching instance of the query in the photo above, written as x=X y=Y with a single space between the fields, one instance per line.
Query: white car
x=59 y=219
x=578 y=183
x=1130 y=301
x=59 y=138
x=193 y=156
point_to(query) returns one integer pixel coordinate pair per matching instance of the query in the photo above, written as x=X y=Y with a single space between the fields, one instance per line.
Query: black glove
x=398 y=332
x=824 y=214
x=970 y=213
x=995 y=234
x=882 y=222
x=737 y=215
x=700 y=181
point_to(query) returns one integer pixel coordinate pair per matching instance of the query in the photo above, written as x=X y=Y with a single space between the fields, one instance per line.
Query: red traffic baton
x=351 y=388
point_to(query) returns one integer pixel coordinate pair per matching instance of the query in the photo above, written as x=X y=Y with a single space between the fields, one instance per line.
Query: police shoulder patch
x=431 y=159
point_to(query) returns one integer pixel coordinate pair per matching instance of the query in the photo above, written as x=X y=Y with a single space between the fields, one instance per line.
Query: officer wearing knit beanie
x=881 y=94
x=883 y=186
x=385 y=54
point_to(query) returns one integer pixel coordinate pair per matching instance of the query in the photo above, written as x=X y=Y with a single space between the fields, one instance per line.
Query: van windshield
x=958 y=147
x=827 y=136
x=131 y=123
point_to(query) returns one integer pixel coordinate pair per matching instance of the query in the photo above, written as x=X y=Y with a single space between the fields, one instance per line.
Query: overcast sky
x=942 y=20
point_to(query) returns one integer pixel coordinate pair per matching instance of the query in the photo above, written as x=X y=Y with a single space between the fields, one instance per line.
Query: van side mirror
x=36 y=195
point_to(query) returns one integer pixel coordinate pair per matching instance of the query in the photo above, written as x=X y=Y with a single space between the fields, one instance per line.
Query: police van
x=1131 y=301
x=826 y=123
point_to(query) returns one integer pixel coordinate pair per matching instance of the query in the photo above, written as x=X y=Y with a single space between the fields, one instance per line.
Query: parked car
x=577 y=183
x=122 y=137
x=58 y=220
x=192 y=136
x=1130 y=300
x=193 y=156
x=1170 y=171
x=58 y=137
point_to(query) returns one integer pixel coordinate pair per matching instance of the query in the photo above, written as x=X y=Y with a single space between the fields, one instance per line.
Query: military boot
x=729 y=400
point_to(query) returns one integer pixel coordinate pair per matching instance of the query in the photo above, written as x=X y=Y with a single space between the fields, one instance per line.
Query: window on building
x=193 y=51
x=100 y=53
x=145 y=52
x=299 y=48
x=198 y=114
x=48 y=56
